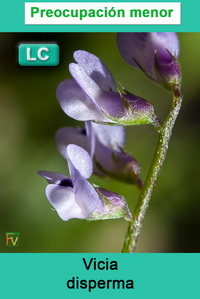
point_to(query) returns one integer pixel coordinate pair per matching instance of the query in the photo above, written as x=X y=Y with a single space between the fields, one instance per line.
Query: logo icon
x=12 y=239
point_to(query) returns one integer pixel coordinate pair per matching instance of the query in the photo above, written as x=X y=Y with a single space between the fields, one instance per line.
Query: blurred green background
x=29 y=118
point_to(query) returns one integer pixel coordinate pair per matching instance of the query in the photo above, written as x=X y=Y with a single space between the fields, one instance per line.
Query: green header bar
x=12 y=19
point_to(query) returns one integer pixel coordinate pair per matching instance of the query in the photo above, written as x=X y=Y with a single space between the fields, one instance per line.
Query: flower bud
x=155 y=53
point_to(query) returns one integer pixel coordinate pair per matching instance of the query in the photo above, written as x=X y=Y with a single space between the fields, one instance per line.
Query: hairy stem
x=165 y=132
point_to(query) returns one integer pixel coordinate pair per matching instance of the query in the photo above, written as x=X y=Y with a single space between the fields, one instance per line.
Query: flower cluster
x=98 y=147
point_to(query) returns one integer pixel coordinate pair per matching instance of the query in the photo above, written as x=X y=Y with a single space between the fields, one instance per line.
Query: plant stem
x=165 y=132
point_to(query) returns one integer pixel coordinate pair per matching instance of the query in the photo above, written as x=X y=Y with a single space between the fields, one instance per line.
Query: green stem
x=165 y=132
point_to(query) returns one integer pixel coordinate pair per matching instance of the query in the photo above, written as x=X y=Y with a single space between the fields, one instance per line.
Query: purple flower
x=75 y=197
x=105 y=144
x=91 y=95
x=155 y=53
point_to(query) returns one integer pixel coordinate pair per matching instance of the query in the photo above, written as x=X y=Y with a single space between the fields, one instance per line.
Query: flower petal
x=95 y=69
x=80 y=167
x=168 y=40
x=64 y=201
x=75 y=102
x=86 y=196
x=80 y=159
x=111 y=136
x=67 y=135
x=90 y=137
x=132 y=46
x=106 y=101
x=88 y=85
x=55 y=178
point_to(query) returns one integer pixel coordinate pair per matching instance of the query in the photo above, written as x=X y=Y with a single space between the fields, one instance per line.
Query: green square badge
x=38 y=54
